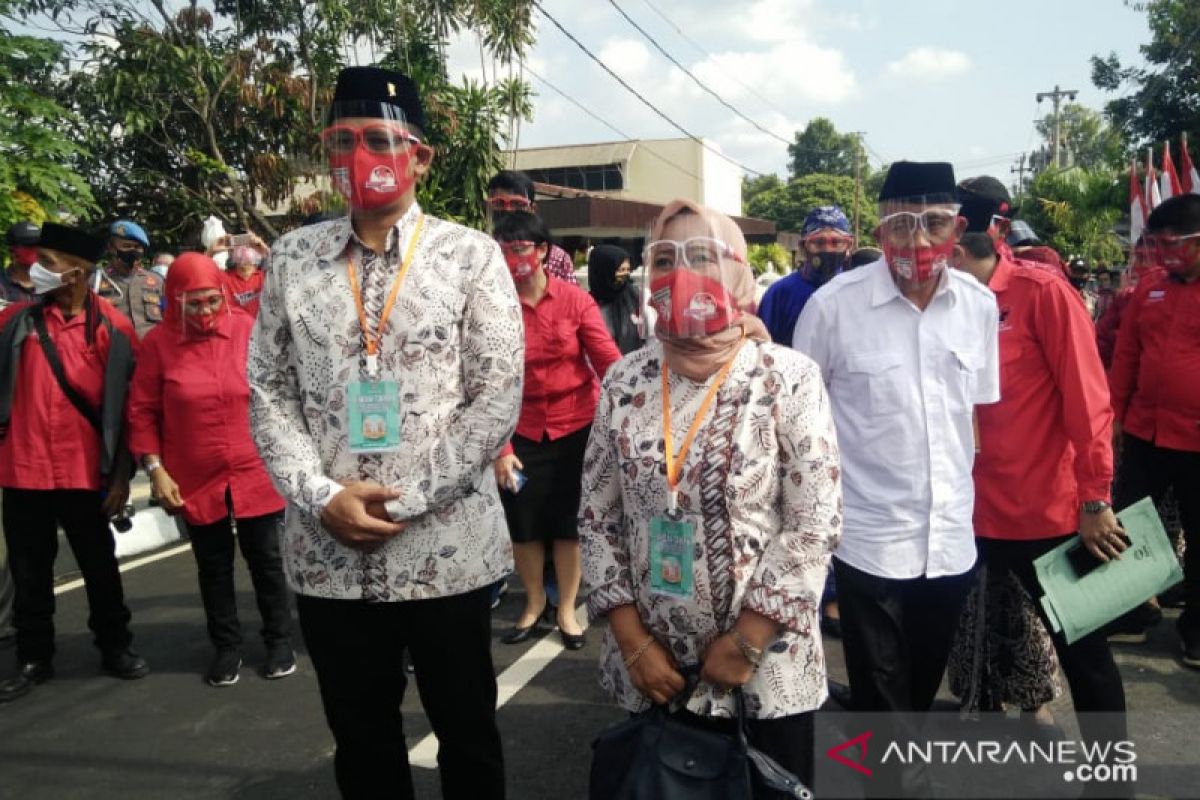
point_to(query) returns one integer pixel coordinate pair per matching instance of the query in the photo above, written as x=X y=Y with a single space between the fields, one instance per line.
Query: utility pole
x=1057 y=96
x=857 y=179
x=1020 y=170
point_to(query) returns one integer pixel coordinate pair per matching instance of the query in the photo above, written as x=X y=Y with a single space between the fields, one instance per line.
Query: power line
x=707 y=54
x=638 y=95
x=696 y=80
x=608 y=124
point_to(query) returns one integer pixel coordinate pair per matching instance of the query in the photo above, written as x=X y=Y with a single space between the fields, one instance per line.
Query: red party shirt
x=246 y=292
x=49 y=444
x=1046 y=447
x=190 y=404
x=1155 y=376
x=567 y=350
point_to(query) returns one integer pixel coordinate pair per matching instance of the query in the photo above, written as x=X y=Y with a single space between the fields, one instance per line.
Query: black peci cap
x=368 y=91
x=23 y=234
x=931 y=181
x=72 y=241
x=983 y=198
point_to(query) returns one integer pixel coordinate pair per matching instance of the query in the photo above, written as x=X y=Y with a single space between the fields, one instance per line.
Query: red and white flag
x=1137 y=205
x=1189 y=179
x=1150 y=194
x=1168 y=181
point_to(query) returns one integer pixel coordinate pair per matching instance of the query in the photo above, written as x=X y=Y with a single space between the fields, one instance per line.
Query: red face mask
x=919 y=264
x=521 y=265
x=371 y=180
x=204 y=324
x=690 y=305
x=1176 y=255
x=25 y=256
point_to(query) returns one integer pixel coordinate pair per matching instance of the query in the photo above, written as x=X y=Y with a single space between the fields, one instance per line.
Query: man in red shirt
x=65 y=364
x=1155 y=383
x=509 y=192
x=1045 y=460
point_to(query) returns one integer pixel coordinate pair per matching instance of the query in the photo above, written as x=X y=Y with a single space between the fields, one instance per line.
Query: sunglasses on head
x=828 y=241
x=509 y=203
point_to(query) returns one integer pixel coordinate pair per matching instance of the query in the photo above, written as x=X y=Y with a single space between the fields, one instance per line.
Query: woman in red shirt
x=244 y=275
x=567 y=350
x=189 y=422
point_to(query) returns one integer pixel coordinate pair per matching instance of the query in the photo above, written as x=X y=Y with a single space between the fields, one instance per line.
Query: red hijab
x=191 y=272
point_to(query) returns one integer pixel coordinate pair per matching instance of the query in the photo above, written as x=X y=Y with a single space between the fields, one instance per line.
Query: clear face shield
x=917 y=236
x=826 y=253
x=373 y=156
x=692 y=278
x=202 y=311
x=1175 y=254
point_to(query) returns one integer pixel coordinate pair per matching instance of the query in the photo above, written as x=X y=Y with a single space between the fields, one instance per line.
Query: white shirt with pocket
x=903 y=384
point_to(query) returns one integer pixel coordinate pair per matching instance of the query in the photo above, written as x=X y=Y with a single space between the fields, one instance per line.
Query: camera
x=123 y=521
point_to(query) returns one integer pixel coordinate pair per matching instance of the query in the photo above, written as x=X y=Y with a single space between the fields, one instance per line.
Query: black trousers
x=896 y=635
x=213 y=547
x=1092 y=674
x=31 y=521
x=357 y=649
x=1148 y=471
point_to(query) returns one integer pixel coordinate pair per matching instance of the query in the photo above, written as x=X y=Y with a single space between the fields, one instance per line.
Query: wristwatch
x=1096 y=506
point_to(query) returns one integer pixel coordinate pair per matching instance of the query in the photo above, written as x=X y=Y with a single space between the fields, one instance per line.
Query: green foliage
x=1091 y=142
x=35 y=151
x=216 y=107
x=820 y=148
x=788 y=204
x=759 y=254
x=1161 y=101
x=1074 y=211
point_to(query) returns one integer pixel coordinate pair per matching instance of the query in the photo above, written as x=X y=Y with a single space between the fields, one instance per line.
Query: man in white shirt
x=908 y=348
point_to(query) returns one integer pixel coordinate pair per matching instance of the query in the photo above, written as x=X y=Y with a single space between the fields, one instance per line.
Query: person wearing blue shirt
x=827 y=244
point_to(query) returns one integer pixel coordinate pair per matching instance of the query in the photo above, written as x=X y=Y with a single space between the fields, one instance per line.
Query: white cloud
x=625 y=56
x=784 y=74
x=930 y=63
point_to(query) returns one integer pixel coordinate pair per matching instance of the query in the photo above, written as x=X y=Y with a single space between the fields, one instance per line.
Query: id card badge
x=374 y=416
x=671 y=545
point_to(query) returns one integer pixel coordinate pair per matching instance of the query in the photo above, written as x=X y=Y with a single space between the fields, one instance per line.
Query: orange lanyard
x=371 y=338
x=675 y=460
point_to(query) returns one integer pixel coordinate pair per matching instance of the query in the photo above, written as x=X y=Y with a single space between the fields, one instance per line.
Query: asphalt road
x=86 y=735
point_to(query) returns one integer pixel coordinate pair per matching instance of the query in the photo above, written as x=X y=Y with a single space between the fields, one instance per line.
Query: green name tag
x=671 y=543
x=374 y=416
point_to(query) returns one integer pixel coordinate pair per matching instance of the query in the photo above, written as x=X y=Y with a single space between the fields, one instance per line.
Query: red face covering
x=372 y=180
x=1178 y=256
x=521 y=267
x=919 y=264
x=25 y=256
x=192 y=272
x=205 y=324
x=690 y=305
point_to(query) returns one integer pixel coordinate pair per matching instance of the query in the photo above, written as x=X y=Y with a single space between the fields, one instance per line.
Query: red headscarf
x=191 y=272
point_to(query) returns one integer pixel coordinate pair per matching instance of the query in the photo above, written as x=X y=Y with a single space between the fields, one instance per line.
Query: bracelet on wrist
x=749 y=652
x=152 y=467
x=632 y=658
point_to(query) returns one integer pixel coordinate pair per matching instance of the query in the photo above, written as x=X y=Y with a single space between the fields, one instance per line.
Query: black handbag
x=656 y=756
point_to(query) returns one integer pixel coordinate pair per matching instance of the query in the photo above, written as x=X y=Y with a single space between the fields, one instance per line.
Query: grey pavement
x=85 y=735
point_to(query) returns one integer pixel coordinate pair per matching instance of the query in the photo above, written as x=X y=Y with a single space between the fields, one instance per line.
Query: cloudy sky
x=925 y=80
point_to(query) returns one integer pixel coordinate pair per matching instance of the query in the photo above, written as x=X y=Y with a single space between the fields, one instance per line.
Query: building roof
x=582 y=155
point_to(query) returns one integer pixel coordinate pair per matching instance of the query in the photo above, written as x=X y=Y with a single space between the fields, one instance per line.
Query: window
x=596 y=178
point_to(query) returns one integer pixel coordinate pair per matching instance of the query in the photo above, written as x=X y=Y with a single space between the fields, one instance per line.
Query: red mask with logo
x=372 y=180
x=521 y=266
x=690 y=305
x=1176 y=255
x=919 y=264
x=24 y=255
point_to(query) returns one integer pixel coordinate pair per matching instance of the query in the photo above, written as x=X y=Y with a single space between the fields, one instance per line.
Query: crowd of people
x=386 y=412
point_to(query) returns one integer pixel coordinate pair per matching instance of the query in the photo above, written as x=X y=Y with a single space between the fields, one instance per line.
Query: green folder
x=1077 y=606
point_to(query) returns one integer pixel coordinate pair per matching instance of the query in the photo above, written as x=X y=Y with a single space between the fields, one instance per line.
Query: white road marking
x=508 y=683
x=128 y=565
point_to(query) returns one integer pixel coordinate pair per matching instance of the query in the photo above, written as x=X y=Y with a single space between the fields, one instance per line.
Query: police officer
x=127 y=284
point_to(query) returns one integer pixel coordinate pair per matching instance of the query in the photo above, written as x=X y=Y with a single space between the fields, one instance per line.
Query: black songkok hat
x=72 y=241
x=377 y=92
x=981 y=199
x=927 y=181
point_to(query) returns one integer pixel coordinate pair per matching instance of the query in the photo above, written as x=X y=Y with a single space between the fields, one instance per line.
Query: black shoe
x=840 y=694
x=30 y=674
x=1132 y=626
x=125 y=664
x=224 y=669
x=281 y=662
x=1189 y=643
x=573 y=641
x=518 y=635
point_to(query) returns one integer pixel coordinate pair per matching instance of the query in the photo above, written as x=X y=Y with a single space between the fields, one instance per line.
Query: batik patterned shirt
x=761 y=483
x=453 y=344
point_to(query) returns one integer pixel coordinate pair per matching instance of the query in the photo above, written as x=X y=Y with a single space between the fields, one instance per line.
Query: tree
x=788 y=205
x=819 y=148
x=217 y=108
x=775 y=254
x=753 y=187
x=35 y=179
x=1074 y=211
x=1165 y=97
x=1091 y=142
